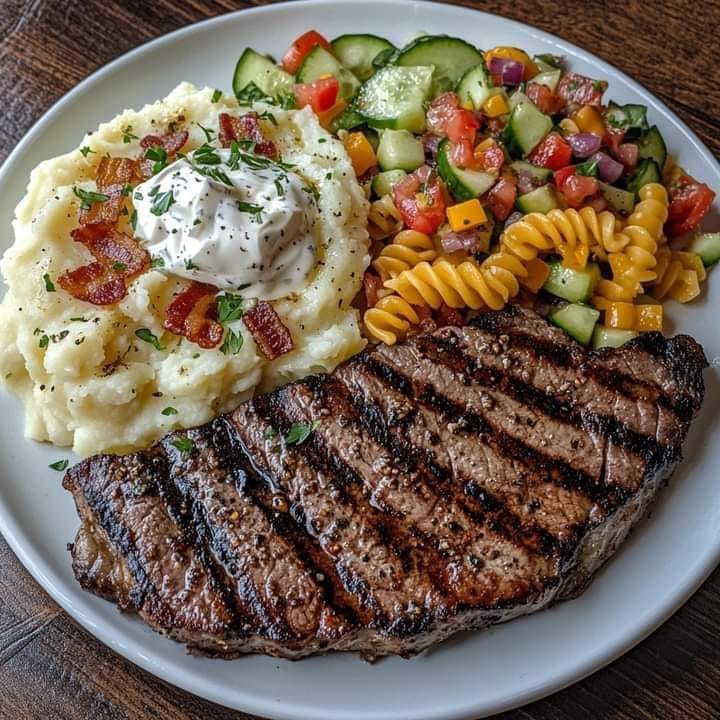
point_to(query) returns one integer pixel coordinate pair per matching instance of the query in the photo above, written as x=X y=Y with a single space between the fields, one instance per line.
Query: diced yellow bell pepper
x=496 y=106
x=620 y=315
x=686 y=287
x=511 y=53
x=466 y=215
x=589 y=120
x=538 y=272
x=568 y=127
x=360 y=151
x=649 y=317
x=484 y=145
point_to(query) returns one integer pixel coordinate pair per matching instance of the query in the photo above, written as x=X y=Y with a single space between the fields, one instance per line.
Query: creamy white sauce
x=239 y=227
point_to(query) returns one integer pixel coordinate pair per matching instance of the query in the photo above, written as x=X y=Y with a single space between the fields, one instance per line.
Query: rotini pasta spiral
x=383 y=218
x=490 y=284
x=390 y=319
x=652 y=210
x=407 y=249
x=679 y=275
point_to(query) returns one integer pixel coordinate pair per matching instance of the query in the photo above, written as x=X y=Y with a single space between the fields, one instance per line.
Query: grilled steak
x=466 y=477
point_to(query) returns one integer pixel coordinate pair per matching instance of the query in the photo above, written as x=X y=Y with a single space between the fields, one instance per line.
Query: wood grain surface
x=49 y=667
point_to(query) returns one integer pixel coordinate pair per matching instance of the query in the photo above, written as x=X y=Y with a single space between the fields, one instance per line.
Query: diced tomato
x=300 y=48
x=271 y=336
x=579 y=89
x=552 y=153
x=502 y=197
x=421 y=200
x=440 y=110
x=562 y=175
x=462 y=126
x=319 y=95
x=690 y=201
x=613 y=138
x=372 y=283
x=627 y=154
x=545 y=99
x=576 y=188
x=489 y=159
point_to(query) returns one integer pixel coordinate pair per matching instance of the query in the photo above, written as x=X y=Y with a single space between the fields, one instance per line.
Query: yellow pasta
x=390 y=319
x=383 y=218
x=407 y=249
x=679 y=275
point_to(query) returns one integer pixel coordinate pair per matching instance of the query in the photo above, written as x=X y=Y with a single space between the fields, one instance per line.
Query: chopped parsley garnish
x=206 y=155
x=271 y=432
x=127 y=189
x=162 y=203
x=149 y=337
x=159 y=157
x=279 y=187
x=328 y=176
x=234 y=158
x=286 y=100
x=190 y=265
x=169 y=411
x=322 y=140
x=183 y=444
x=209 y=132
x=230 y=308
x=312 y=190
x=119 y=266
x=300 y=432
x=44 y=341
x=59 y=465
x=232 y=343
x=157 y=262
x=217 y=94
x=78 y=319
x=254 y=210
x=127 y=134
x=250 y=94
x=85 y=150
x=268 y=116
x=589 y=167
x=88 y=198
x=49 y=285
x=133 y=220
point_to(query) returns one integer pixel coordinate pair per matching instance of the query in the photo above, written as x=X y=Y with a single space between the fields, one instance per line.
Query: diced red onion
x=609 y=170
x=525 y=183
x=510 y=71
x=584 y=144
x=513 y=218
x=431 y=143
x=466 y=240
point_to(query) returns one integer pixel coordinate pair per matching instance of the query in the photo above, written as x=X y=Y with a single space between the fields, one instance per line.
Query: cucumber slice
x=611 y=337
x=549 y=74
x=526 y=127
x=576 y=320
x=357 y=52
x=631 y=118
x=346 y=120
x=252 y=67
x=450 y=57
x=621 y=200
x=538 y=173
x=400 y=150
x=384 y=182
x=652 y=147
x=540 y=200
x=476 y=86
x=571 y=284
x=463 y=184
x=707 y=246
x=646 y=172
x=516 y=98
x=394 y=98
x=319 y=62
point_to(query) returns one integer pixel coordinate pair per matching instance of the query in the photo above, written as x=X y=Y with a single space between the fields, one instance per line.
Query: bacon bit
x=111 y=177
x=193 y=315
x=106 y=212
x=372 y=284
x=271 y=336
x=94 y=283
x=113 y=248
x=245 y=127
x=170 y=142
x=449 y=316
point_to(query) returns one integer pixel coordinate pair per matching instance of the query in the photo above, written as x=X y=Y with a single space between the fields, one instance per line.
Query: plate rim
x=21 y=545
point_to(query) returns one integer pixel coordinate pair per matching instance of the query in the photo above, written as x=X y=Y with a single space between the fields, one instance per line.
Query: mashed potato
x=85 y=378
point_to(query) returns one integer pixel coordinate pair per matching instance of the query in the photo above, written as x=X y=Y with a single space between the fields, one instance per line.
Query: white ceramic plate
x=664 y=561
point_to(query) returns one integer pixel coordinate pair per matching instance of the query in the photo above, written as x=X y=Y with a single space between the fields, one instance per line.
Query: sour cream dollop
x=236 y=224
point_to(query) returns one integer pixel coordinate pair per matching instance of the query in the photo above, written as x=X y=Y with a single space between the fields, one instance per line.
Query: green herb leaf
x=300 y=432
x=133 y=220
x=169 y=411
x=88 y=198
x=254 y=210
x=589 y=168
x=119 y=266
x=382 y=58
x=230 y=308
x=127 y=134
x=85 y=150
x=159 y=157
x=279 y=188
x=78 y=319
x=59 y=465
x=157 y=262
x=268 y=116
x=149 y=337
x=183 y=444
x=234 y=159
x=44 y=341
x=162 y=203
x=312 y=190
x=217 y=94
x=190 y=265
x=127 y=189
x=271 y=432
x=250 y=94
x=209 y=132
x=49 y=285
x=233 y=342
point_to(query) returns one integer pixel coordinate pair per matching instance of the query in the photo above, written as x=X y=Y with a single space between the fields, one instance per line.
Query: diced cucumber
x=707 y=246
x=572 y=284
x=394 y=98
x=476 y=86
x=621 y=200
x=450 y=57
x=357 y=52
x=526 y=127
x=652 y=146
x=516 y=98
x=400 y=150
x=611 y=337
x=463 y=184
x=546 y=61
x=383 y=182
x=646 y=172
x=576 y=320
x=535 y=172
x=319 y=62
x=252 y=67
x=540 y=200
x=346 y=120
x=549 y=74
x=631 y=118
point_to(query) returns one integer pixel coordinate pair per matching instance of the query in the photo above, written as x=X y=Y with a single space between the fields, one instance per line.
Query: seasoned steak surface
x=463 y=478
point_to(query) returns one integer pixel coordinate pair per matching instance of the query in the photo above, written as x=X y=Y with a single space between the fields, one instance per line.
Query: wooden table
x=49 y=667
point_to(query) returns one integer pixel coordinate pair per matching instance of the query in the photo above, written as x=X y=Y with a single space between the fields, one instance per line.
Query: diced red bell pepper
x=300 y=48
x=501 y=198
x=552 y=153
x=319 y=95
